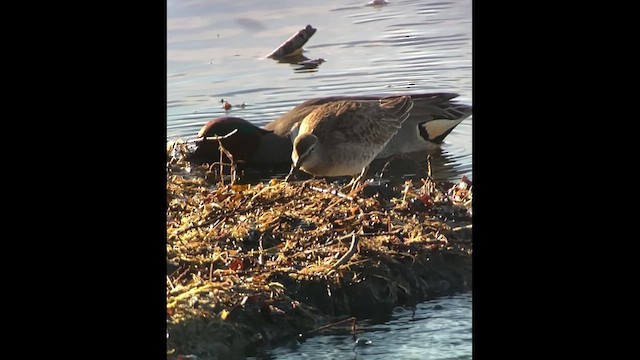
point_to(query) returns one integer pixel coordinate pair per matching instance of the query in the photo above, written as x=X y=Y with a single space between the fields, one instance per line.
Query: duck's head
x=241 y=144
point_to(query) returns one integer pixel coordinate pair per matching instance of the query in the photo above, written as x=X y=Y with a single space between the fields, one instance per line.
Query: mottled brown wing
x=369 y=121
x=396 y=109
x=383 y=120
x=427 y=106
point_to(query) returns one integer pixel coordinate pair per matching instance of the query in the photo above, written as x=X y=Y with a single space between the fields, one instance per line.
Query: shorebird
x=342 y=137
x=433 y=117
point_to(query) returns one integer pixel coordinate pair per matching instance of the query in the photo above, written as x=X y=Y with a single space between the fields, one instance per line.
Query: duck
x=432 y=117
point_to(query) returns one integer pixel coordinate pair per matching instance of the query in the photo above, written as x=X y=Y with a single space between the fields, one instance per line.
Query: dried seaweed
x=256 y=263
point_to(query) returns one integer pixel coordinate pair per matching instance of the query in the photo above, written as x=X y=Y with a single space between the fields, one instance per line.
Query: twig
x=220 y=147
x=384 y=168
x=429 y=183
x=232 y=164
x=382 y=233
x=225 y=285
x=332 y=192
x=264 y=189
x=260 y=249
x=221 y=218
x=202 y=138
x=293 y=44
x=407 y=186
x=355 y=190
x=470 y=226
x=353 y=320
x=332 y=241
x=338 y=201
x=211 y=266
x=345 y=258
x=181 y=275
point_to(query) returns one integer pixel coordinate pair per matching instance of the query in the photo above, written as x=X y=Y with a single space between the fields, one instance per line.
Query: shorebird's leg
x=355 y=181
x=360 y=178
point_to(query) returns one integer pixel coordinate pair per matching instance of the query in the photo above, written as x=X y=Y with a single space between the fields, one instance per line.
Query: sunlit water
x=439 y=330
x=216 y=49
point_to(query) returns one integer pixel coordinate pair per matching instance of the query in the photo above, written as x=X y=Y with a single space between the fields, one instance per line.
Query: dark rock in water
x=362 y=341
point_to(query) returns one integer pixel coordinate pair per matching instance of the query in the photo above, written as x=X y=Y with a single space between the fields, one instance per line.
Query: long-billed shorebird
x=343 y=137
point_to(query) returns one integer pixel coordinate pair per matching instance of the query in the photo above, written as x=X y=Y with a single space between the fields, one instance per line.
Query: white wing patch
x=436 y=128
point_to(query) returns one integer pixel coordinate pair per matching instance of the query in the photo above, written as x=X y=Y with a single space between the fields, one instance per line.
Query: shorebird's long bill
x=293 y=169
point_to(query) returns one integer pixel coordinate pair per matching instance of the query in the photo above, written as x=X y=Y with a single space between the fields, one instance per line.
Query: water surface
x=438 y=330
x=216 y=49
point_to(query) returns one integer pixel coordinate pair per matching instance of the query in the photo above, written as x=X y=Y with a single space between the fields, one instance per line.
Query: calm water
x=440 y=329
x=216 y=49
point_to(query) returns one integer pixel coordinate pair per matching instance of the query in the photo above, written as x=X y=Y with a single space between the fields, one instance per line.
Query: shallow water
x=216 y=49
x=440 y=329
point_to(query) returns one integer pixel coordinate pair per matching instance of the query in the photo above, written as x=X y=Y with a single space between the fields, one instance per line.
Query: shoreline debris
x=262 y=264
x=293 y=45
